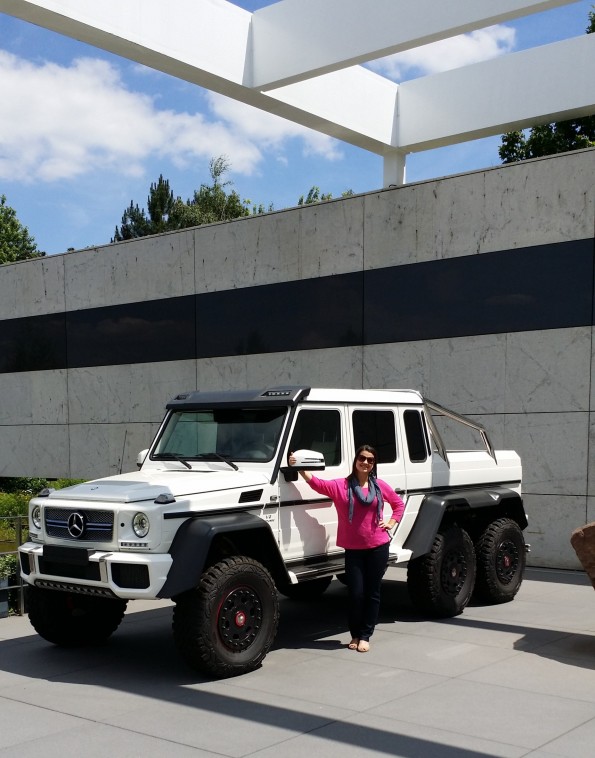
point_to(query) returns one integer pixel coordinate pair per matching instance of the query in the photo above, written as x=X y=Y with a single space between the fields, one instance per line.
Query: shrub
x=8 y=566
x=14 y=504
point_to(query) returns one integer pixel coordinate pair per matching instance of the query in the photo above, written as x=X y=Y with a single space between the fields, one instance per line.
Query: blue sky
x=84 y=132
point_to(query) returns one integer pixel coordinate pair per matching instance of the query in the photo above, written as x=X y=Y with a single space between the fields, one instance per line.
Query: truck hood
x=148 y=485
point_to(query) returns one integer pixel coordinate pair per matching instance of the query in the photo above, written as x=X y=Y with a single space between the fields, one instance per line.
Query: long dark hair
x=365 y=449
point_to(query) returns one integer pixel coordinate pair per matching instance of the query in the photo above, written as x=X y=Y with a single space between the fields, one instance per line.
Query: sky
x=84 y=132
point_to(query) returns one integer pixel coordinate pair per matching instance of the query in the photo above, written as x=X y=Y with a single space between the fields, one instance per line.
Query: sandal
x=353 y=645
x=363 y=646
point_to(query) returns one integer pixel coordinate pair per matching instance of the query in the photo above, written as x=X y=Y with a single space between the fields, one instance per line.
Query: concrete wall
x=63 y=415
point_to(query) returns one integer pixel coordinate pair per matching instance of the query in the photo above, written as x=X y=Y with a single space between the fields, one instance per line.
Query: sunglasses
x=365 y=459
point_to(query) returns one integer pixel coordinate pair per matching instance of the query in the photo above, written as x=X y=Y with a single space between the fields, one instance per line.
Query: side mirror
x=305 y=460
x=308 y=460
x=140 y=458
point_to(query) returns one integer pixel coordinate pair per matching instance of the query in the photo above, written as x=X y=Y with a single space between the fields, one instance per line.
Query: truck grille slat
x=95 y=525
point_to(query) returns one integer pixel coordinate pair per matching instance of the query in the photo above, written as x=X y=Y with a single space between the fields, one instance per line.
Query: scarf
x=353 y=488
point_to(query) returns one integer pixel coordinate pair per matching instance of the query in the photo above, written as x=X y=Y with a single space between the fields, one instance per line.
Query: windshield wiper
x=216 y=456
x=173 y=457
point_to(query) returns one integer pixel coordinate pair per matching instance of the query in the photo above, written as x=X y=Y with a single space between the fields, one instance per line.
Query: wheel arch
x=201 y=541
x=470 y=509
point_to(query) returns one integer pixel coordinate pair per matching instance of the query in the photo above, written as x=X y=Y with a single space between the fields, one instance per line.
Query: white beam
x=207 y=42
x=549 y=83
x=293 y=40
x=209 y=36
x=355 y=105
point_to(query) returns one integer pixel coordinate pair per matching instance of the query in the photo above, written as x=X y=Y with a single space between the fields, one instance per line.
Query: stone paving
x=507 y=680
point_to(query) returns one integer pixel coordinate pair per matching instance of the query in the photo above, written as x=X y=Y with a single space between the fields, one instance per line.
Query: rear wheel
x=441 y=582
x=69 y=620
x=501 y=561
x=227 y=625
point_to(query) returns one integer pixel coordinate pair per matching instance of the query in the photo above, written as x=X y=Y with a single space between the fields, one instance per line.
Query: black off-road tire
x=68 y=619
x=306 y=590
x=441 y=582
x=501 y=559
x=227 y=625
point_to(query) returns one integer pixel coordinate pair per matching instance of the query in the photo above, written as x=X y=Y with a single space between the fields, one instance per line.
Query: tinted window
x=414 y=432
x=376 y=428
x=320 y=431
x=244 y=434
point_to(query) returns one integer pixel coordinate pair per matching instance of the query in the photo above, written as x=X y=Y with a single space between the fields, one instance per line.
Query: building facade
x=476 y=289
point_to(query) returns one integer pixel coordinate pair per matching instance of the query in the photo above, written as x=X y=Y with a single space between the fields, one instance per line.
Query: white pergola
x=300 y=59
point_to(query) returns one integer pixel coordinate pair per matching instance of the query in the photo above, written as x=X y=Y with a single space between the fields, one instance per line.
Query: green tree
x=16 y=244
x=547 y=139
x=210 y=203
x=315 y=196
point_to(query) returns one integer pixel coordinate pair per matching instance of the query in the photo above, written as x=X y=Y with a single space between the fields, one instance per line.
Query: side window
x=318 y=430
x=376 y=428
x=416 y=436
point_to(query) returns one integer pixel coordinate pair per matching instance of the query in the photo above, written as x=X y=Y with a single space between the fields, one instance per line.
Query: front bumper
x=131 y=576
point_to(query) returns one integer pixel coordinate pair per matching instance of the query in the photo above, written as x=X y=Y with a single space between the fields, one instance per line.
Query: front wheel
x=441 y=582
x=501 y=561
x=70 y=620
x=227 y=625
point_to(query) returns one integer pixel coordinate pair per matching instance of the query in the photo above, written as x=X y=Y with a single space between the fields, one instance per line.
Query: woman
x=363 y=532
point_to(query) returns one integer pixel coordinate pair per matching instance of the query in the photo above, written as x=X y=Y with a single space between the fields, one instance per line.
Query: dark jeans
x=364 y=570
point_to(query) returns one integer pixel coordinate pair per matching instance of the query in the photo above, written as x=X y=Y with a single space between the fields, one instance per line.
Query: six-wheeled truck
x=217 y=520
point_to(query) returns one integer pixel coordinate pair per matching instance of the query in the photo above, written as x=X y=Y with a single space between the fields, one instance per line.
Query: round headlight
x=36 y=517
x=140 y=524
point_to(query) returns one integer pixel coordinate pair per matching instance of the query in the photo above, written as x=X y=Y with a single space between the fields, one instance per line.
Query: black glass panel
x=542 y=287
x=157 y=330
x=36 y=343
x=302 y=315
x=376 y=428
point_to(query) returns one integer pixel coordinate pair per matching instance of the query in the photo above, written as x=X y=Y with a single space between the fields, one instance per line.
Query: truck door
x=308 y=521
x=425 y=469
x=378 y=427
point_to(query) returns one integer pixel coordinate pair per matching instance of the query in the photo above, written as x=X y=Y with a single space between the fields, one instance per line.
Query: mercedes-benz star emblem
x=76 y=525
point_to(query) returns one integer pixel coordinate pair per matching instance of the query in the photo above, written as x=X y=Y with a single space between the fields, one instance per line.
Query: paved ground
x=510 y=680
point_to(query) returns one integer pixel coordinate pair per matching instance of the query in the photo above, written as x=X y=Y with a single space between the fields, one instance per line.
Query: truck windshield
x=241 y=434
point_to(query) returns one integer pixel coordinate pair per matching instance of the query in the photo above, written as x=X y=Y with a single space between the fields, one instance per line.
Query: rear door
x=378 y=426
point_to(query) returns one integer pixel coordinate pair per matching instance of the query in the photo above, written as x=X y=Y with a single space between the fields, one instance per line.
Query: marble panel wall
x=33 y=397
x=299 y=243
x=341 y=367
x=97 y=450
x=32 y=288
x=152 y=268
x=132 y=393
x=480 y=212
x=533 y=390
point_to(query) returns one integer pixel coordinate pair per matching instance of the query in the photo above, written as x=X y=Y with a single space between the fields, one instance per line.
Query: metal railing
x=13 y=532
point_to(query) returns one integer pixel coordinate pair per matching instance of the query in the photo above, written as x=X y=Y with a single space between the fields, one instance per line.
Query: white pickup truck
x=217 y=520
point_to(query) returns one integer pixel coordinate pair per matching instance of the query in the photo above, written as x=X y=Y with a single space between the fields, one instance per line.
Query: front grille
x=92 y=526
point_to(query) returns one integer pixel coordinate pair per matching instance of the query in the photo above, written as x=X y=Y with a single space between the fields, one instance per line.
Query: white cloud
x=61 y=122
x=447 y=54
x=271 y=131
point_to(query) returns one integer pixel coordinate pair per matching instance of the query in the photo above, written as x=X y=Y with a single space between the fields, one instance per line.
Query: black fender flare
x=433 y=507
x=192 y=542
